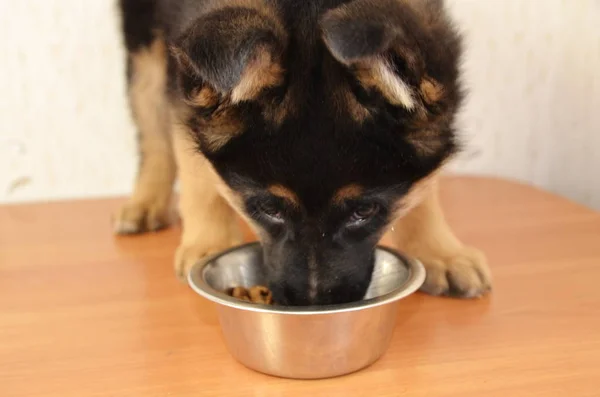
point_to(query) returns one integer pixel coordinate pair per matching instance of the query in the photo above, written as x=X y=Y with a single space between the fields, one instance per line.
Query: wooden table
x=83 y=313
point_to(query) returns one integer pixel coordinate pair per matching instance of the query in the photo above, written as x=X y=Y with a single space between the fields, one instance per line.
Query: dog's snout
x=305 y=274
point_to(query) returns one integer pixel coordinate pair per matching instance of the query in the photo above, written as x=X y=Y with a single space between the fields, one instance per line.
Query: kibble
x=257 y=294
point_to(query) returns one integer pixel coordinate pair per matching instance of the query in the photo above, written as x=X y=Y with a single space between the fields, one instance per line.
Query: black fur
x=317 y=148
x=139 y=23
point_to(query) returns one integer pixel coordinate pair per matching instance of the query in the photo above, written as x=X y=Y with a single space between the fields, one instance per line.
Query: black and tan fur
x=324 y=123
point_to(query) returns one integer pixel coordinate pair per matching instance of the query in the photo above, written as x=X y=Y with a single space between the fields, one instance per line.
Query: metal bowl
x=305 y=342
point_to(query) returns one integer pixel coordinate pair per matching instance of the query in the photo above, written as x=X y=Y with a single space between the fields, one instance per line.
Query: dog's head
x=321 y=123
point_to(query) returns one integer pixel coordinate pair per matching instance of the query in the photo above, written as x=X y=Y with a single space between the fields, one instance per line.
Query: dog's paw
x=189 y=254
x=464 y=274
x=139 y=217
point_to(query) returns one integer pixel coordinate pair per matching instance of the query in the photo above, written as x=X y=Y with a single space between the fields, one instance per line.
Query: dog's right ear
x=233 y=52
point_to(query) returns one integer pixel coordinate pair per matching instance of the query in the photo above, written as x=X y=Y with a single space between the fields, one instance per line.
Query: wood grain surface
x=84 y=313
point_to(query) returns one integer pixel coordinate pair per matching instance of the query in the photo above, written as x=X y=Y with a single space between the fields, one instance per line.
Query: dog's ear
x=406 y=49
x=233 y=52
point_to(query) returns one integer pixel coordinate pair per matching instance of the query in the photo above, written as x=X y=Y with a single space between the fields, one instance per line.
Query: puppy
x=323 y=123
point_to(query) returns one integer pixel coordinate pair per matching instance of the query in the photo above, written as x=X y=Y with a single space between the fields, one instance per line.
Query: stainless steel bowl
x=308 y=342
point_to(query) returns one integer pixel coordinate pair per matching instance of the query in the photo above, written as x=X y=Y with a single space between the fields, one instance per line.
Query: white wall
x=65 y=129
x=531 y=65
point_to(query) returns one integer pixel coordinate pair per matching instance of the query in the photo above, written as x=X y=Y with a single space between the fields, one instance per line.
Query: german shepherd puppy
x=324 y=123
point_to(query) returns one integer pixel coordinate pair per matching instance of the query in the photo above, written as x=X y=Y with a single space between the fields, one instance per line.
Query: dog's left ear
x=406 y=49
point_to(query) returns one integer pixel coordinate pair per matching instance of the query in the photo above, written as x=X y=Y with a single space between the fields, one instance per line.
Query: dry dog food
x=256 y=294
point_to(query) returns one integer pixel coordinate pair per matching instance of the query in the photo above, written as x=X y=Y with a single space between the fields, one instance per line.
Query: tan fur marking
x=148 y=207
x=223 y=126
x=215 y=131
x=183 y=60
x=347 y=103
x=205 y=98
x=431 y=90
x=419 y=211
x=416 y=195
x=276 y=113
x=377 y=73
x=209 y=222
x=422 y=232
x=425 y=142
x=347 y=192
x=260 y=73
x=284 y=193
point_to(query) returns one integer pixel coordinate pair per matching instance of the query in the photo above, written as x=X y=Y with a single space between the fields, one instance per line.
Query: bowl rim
x=415 y=280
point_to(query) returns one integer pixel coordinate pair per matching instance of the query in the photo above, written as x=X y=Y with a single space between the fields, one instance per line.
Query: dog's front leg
x=209 y=223
x=453 y=269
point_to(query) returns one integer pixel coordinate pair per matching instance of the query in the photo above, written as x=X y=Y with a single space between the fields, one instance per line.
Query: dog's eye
x=271 y=211
x=363 y=213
